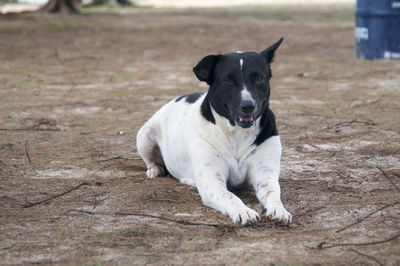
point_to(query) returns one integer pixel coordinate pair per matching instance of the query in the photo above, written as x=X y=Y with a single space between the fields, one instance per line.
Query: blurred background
x=8 y=6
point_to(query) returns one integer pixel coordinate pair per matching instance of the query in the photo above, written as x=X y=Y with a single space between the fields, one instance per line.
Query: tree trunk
x=124 y=2
x=60 y=6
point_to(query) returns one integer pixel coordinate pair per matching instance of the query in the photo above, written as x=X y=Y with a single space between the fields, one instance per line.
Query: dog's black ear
x=269 y=53
x=204 y=70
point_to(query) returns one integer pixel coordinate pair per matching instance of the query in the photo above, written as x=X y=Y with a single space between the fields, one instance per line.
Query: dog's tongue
x=245 y=118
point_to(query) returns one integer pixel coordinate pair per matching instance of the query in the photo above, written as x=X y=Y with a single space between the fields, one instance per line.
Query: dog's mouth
x=245 y=121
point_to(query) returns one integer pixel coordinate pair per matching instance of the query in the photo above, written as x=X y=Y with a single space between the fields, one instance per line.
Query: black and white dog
x=225 y=137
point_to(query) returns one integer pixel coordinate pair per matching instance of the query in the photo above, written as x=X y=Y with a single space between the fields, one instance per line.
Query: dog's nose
x=247 y=107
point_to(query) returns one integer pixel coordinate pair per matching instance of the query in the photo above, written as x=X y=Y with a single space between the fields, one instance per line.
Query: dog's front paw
x=244 y=216
x=276 y=212
x=155 y=171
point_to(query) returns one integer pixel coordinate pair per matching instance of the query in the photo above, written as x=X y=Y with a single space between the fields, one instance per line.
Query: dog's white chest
x=238 y=150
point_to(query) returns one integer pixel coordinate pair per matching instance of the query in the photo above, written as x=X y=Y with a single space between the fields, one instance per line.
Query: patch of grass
x=329 y=108
x=84 y=74
x=343 y=159
x=100 y=7
x=29 y=84
x=118 y=93
x=341 y=140
x=151 y=27
x=112 y=77
x=56 y=26
x=98 y=261
x=46 y=153
x=190 y=247
x=34 y=148
x=126 y=75
x=138 y=232
x=114 y=235
x=363 y=116
x=88 y=124
x=23 y=71
x=20 y=122
x=394 y=143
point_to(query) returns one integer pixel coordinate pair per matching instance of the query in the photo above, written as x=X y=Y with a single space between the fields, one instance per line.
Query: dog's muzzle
x=245 y=121
x=246 y=117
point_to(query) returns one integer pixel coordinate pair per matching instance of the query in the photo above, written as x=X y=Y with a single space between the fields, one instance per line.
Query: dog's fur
x=223 y=138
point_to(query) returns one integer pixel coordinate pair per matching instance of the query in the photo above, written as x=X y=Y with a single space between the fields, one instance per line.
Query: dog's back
x=171 y=130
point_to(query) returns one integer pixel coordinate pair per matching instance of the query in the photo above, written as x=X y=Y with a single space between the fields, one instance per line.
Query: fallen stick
x=388 y=178
x=366 y=216
x=321 y=244
x=150 y=216
x=30 y=129
x=114 y=158
x=55 y=196
x=166 y=219
x=348 y=123
x=368 y=256
x=311 y=211
x=26 y=152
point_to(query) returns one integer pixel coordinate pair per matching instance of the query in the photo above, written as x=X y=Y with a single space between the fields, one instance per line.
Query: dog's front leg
x=211 y=173
x=263 y=175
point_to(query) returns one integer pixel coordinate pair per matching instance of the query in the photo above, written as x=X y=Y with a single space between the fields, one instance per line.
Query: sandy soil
x=74 y=90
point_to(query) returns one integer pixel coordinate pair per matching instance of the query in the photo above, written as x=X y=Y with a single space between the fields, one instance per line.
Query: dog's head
x=239 y=83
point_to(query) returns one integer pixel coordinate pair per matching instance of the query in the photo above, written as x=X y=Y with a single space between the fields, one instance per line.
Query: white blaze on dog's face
x=239 y=84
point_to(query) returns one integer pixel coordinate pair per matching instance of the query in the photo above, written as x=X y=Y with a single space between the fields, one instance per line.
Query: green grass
x=34 y=148
x=126 y=75
x=329 y=108
x=29 y=84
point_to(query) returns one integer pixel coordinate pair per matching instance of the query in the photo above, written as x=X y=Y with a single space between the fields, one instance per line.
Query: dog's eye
x=260 y=79
x=227 y=81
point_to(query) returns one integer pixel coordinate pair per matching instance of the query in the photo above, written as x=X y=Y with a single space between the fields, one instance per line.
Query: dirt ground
x=74 y=91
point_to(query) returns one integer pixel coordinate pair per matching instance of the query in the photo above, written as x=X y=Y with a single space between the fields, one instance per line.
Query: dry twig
x=26 y=152
x=314 y=209
x=30 y=129
x=368 y=256
x=324 y=245
x=366 y=216
x=388 y=178
x=166 y=219
x=114 y=158
x=348 y=123
x=150 y=216
x=55 y=196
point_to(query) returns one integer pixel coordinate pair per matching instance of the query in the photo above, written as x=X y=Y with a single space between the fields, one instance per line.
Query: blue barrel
x=377 y=31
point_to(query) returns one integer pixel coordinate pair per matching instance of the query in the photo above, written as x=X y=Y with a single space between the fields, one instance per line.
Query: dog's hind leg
x=149 y=151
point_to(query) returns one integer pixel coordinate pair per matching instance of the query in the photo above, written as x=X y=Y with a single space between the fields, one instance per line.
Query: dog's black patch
x=206 y=110
x=180 y=98
x=268 y=127
x=190 y=98
x=193 y=97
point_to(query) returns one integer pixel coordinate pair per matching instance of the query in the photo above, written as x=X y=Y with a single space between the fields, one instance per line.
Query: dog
x=223 y=138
